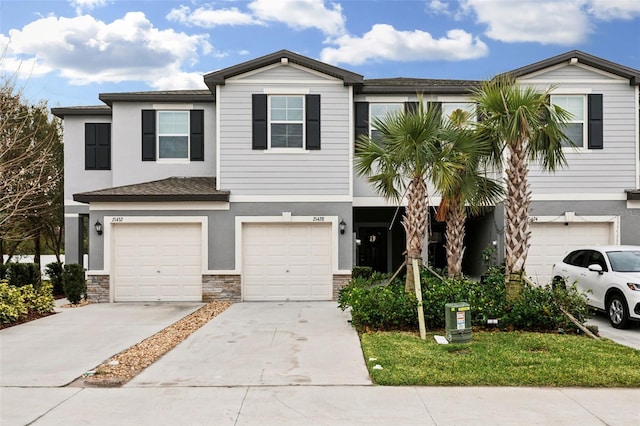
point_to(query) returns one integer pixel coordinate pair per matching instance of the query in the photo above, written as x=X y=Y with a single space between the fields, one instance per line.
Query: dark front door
x=373 y=248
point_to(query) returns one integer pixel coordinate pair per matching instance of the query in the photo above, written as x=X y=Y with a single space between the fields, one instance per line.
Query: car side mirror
x=596 y=268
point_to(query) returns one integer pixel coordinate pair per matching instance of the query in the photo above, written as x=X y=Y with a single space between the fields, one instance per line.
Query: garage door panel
x=549 y=242
x=157 y=262
x=278 y=261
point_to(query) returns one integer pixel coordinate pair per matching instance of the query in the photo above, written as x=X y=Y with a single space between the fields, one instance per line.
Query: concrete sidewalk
x=319 y=405
x=55 y=350
x=265 y=343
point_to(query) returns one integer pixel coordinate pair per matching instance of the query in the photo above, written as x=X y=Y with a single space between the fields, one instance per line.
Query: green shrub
x=538 y=308
x=375 y=306
x=361 y=272
x=19 y=274
x=54 y=271
x=39 y=301
x=73 y=282
x=12 y=307
x=3 y=271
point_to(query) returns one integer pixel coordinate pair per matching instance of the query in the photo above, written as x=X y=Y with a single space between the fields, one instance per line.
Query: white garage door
x=550 y=241
x=157 y=262
x=287 y=261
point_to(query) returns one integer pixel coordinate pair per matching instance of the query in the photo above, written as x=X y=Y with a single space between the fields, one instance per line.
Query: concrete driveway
x=628 y=337
x=270 y=343
x=55 y=350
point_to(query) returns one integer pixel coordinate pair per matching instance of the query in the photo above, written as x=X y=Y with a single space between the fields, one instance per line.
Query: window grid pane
x=449 y=107
x=173 y=134
x=287 y=118
x=380 y=111
x=575 y=127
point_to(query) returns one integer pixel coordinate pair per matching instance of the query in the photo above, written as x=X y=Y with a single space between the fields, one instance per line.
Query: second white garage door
x=290 y=261
x=550 y=241
x=157 y=262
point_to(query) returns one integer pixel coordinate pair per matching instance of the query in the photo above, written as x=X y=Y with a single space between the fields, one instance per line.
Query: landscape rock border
x=119 y=369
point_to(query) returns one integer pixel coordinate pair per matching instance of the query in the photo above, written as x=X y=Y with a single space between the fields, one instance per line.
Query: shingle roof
x=159 y=96
x=417 y=85
x=170 y=189
x=81 y=110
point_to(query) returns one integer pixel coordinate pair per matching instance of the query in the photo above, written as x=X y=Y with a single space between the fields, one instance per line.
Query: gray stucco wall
x=629 y=218
x=222 y=231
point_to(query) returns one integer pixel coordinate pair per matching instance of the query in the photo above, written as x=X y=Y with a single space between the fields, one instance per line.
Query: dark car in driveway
x=610 y=276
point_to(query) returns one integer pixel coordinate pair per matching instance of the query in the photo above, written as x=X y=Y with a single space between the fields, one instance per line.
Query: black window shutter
x=362 y=119
x=411 y=106
x=312 y=121
x=436 y=105
x=148 y=135
x=103 y=146
x=259 y=118
x=90 y=146
x=594 y=131
x=196 y=138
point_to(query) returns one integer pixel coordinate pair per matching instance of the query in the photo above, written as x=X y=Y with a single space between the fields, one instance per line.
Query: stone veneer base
x=214 y=287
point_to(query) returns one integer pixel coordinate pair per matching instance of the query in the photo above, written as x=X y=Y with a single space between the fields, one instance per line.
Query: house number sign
x=117 y=219
x=318 y=218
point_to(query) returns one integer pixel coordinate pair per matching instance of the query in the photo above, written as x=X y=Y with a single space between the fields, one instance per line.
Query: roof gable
x=577 y=56
x=283 y=57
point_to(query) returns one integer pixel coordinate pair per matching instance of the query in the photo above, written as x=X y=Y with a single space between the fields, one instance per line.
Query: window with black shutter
x=97 y=146
x=172 y=135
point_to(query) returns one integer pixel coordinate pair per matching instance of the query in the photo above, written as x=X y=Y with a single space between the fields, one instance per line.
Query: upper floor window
x=379 y=111
x=575 y=128
x=286 y=121
x=172 y=135
x=289 y=122
x=467 y=109
x=97 y=146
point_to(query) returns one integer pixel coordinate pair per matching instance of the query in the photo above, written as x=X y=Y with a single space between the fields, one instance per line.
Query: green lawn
x=500 y=359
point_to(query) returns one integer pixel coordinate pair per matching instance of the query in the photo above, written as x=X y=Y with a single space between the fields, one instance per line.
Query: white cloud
x=438 y=7
x=384 y=42
x=85 y=50
x=302 y=14
x=614 y=9
x=542 y=21
x=207 y=17
x=84 y=5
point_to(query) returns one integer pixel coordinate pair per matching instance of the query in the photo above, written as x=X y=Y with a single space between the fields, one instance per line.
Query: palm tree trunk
x=415 y=225
x=456 y=219
x=517 y=219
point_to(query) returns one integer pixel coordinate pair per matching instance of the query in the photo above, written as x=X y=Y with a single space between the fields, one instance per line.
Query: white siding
x=246 y=171
x=607 y=171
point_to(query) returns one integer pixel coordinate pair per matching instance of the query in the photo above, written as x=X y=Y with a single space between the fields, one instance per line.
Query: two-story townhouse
x=246 y=191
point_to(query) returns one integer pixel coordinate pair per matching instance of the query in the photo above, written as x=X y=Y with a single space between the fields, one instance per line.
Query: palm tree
x=522 y=122
x=401 y=160
x=473 y=190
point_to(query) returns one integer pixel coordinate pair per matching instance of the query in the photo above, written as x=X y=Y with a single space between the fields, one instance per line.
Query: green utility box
x=457 y=322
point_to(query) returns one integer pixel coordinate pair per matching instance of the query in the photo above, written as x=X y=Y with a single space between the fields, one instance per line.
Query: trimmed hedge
x=17 y=303
x=376 y=306
x=73 y=282
x=20 y=274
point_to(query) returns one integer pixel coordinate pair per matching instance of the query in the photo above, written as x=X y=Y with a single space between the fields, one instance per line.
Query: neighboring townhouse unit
x=246 y=191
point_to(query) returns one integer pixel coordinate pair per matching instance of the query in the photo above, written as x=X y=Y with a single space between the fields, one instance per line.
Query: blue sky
x=66 y=52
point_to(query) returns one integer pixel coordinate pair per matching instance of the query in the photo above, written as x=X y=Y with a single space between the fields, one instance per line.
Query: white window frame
x=271 y=121
x=470 y=107
x=573 y=120
x=372 y=118
x=188 y=135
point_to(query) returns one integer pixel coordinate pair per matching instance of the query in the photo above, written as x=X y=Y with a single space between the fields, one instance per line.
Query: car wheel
x=618 y=311
x=558 y=283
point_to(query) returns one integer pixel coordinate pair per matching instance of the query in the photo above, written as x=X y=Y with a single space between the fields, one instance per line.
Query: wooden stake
x=418 y=286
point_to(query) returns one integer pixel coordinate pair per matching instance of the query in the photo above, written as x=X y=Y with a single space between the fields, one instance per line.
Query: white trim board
x=579 y=197
x=160 y=206
x=290 y=198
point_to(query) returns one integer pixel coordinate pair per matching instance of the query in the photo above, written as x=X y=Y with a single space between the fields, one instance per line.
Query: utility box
x=457 y=322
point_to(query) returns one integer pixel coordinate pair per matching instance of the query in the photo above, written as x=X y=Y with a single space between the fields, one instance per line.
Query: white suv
x=611 y=277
